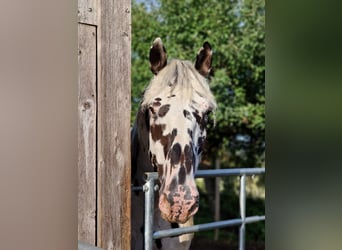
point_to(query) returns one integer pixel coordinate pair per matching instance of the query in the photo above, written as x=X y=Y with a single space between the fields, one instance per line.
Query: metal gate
x=149 y=188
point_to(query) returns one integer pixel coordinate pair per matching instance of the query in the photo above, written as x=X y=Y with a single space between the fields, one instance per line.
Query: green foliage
x=236 y=31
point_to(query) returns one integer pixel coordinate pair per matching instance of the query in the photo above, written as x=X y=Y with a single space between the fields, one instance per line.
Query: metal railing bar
x=242 y=212
x=228 y=172
x=149 y=210
x=204 y=227
x=149 y=189
x=218 y=172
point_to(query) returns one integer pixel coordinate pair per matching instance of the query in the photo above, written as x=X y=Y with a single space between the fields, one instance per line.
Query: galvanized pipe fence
x=149 y=188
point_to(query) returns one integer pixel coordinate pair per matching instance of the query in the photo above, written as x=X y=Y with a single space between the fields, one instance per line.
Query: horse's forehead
x=172 y=113
x=173 y=121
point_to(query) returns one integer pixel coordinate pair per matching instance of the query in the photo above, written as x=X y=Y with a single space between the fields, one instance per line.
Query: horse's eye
x=206 y=116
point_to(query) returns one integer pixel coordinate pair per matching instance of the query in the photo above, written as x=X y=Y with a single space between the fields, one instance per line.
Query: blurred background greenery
x=236 y=31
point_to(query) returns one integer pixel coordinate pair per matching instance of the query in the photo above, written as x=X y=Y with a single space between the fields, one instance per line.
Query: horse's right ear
x=158 y=56
x=204 y=60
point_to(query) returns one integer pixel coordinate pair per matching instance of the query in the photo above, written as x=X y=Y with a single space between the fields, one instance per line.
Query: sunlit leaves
x=236 y=31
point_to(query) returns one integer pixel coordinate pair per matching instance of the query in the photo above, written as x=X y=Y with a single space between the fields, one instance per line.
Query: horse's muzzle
x=179 y=205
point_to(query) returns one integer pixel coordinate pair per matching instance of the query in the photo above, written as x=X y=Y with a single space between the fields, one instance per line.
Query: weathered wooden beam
x=114 y=91
x=87 y=108
x=88 y=11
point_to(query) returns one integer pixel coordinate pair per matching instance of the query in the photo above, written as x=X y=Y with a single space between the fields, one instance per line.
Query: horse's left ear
x=204 y=59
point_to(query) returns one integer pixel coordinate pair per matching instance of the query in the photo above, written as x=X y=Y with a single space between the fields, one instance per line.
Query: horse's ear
x=204 y=59
x=158 y=56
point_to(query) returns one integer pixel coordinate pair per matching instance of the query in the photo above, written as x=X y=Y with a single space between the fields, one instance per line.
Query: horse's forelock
x=182 y=78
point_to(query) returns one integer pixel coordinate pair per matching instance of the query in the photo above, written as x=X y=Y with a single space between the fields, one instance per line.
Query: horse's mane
x=179 y=78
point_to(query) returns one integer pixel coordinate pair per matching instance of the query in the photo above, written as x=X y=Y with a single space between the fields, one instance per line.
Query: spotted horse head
x=177 y=103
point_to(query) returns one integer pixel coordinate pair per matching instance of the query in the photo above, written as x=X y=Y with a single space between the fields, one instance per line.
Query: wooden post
x=114 y=100
x=87 y=106
x=104 y=197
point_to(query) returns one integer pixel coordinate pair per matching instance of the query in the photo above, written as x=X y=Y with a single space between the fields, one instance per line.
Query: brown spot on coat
x=188 y=157
x=187 y=114
x=175 y=154
x=163 y=110
x=174 y=134
x=197 y=117
x=202 y=122
x=190 y=133
x=181 y=176
x=157 y=104
x=173 y=186
x=157 y=131
x=160 y=170
x=165 y=142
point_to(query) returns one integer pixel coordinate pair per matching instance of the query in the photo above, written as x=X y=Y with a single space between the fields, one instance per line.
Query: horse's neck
x=140 y=152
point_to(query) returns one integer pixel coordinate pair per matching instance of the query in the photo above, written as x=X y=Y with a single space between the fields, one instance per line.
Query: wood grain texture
x=87 y=134
x=88 y=11
x=114 y=91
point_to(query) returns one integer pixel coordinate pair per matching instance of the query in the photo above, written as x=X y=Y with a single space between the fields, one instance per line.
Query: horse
x=168 y=137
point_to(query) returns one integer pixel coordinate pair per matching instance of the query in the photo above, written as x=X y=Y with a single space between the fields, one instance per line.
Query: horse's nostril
x=193 y=209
